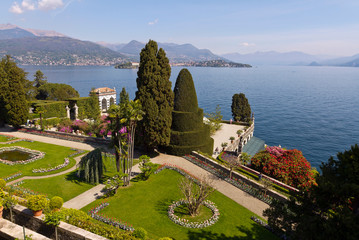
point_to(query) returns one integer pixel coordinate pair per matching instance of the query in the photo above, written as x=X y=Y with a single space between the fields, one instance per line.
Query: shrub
x=288 y=166
x=37 y=202
x=2 y=194
x=56 y=202
x=140 y=233
x=165 y=238
x=2 y=183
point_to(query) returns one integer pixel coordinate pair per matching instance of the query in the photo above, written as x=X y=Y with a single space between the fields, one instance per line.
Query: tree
x=330 y=209
x=40 y=79
x=155 y=93
x=53 y=219
x=93 y=108
x=123 y=120
x=41 y=110
x=91 y=166
x=232 y=162
x=13 y=104
x=124 y=97
x=56 y=91
x=241 y=110
x=9 y=202
x=188 y=132
x=215 y=120
x=195 y=194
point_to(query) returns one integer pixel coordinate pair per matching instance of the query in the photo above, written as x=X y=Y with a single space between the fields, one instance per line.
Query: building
x=106 y=97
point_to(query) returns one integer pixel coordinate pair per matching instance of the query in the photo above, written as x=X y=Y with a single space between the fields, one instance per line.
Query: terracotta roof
x=104 y=90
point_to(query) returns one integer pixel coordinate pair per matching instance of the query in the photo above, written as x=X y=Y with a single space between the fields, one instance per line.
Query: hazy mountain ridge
x=175 y=52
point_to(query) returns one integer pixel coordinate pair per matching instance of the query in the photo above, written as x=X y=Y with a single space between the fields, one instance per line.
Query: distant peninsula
x=127 y=65
x=214 y=63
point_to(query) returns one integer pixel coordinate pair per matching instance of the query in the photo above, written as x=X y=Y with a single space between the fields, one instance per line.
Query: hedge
x=85 y=106
x=52 y=108
x=190 y=138
x=183 y=150
x=187 y=121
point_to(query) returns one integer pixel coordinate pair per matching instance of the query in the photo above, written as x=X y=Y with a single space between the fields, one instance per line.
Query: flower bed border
x=185 y=223
x=111 y=221
x=38 y=155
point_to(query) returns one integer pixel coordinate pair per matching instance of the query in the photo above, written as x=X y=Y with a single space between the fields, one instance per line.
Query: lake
x=313 y=109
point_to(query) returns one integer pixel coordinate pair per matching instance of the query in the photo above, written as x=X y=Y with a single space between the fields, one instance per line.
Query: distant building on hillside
x=106 y=97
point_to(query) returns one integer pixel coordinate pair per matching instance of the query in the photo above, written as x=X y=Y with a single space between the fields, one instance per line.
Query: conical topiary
x=188 y=132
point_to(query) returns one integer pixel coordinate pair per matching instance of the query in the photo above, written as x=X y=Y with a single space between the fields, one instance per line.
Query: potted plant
x=224 y=145
x=239 y=132
x=232 y=139
x=37 y=203
x=53 y=219
x=56 y=203
x=1 y=208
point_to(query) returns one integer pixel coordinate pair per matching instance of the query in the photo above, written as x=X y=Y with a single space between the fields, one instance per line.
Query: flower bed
x=42 y=170
x=20 y=191
x=265 y=225
x=35 y=155
x=12 y=176
x=111 y=221
x=185 y=223
x=255 y=192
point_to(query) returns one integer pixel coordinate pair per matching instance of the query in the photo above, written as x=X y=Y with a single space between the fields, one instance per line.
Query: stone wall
x=23 y=217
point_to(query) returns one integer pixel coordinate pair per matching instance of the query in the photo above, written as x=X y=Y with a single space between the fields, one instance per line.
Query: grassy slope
x=54 y=156
x=144 y=204
x=66 y=186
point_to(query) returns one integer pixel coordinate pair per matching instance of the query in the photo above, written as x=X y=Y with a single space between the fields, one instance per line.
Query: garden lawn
x=4 y=138
x=54 y=156
x=66 y=186
x=145 y=203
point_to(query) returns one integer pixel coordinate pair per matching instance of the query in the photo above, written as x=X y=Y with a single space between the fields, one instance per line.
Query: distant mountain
x=343 y=61
x=10 y=31
x=175 y=52
x=273 y=58
x=58 y=51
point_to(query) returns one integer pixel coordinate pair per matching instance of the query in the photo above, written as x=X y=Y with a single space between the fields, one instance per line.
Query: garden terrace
x=145 y=204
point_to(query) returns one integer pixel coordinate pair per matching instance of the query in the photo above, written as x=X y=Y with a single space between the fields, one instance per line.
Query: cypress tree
x=241 y=110
x=91 y=167
x=124 y=97
x=188 y=132
x=13 y=104
x=155 y=94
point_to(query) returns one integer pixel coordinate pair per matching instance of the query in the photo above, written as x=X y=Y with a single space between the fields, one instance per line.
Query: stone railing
x=248 y=181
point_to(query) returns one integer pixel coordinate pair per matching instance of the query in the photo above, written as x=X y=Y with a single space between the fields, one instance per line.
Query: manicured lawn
x=66 y=186
x=145 y=204
x=54 y=156
x=4 y=138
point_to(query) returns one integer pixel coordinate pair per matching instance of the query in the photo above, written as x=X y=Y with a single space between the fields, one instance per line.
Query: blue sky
x=324 y=27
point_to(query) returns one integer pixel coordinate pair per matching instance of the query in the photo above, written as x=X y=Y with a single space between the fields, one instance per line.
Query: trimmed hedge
x=52 y=108
x=187 y=121
x=188 y=132
x=86 y=107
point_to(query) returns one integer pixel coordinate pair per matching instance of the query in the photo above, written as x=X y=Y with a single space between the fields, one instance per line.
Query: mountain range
x=42 y=47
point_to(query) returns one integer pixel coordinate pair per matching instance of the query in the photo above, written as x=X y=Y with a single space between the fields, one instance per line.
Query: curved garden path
x=242 y=198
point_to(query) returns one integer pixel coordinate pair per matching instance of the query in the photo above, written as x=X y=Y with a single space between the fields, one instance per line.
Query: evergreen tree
x=56 y=91
x=13 y=104
x=40 y=79
x=155 y=93
x=91 y=166
x=188 y=132
x=241 y=110
x=93 y=108
x=124 y=97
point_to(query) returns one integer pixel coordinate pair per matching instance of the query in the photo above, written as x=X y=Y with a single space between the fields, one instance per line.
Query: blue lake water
x=313 y=109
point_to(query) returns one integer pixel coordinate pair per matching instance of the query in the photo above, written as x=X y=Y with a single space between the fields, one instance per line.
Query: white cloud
x=245 y=44
x=15 y=8
x=50 y=4
x=154 y=22
x=28 y=5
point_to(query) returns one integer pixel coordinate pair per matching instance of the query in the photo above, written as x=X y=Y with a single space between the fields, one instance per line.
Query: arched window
x=104 y=104
x=112 y=101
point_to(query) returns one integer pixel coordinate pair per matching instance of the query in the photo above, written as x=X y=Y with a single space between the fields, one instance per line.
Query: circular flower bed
x=186 y=223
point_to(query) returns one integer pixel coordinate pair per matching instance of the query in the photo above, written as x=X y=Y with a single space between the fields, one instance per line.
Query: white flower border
x=185 y=223
x=35 y=155
x=42 y=170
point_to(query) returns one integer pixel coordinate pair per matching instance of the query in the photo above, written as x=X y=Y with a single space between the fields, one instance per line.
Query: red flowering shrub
x=288 y=166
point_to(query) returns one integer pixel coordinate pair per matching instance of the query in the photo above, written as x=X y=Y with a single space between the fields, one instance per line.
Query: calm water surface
x=313 y=109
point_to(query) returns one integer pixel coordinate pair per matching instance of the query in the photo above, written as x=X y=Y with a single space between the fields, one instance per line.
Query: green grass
x=3 y=138
x=145 y=203
x=204 y=213
x=66 y=186
x=54 y=156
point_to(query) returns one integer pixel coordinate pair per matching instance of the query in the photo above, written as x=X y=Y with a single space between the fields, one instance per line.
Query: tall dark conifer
x=155 y=93
x=241 y=110
x=14 y=108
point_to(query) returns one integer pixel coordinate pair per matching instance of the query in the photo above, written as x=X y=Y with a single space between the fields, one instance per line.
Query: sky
x=318 y=27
